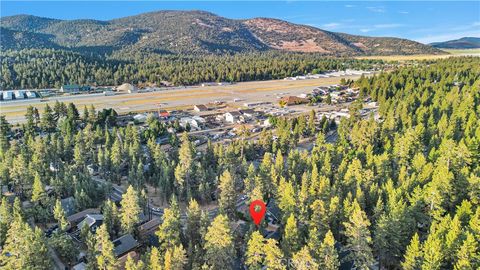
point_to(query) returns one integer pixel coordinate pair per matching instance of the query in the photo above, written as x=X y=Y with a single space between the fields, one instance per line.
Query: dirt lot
x=175 y=99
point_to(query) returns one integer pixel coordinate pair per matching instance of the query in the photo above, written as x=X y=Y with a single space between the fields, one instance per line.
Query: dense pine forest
x=402 y=192
x=47 y=68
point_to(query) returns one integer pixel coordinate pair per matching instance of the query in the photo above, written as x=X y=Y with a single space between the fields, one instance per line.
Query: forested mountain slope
x=197 y=32
x=52 y=68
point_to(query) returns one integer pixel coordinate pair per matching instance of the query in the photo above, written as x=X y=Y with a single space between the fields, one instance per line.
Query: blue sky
x=422 y=21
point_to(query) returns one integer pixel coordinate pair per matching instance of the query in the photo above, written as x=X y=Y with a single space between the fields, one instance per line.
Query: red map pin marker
x=257 y=211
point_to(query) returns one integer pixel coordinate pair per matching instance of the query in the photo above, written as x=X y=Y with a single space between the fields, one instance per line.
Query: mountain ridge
x=461 y=43
x=196 y=32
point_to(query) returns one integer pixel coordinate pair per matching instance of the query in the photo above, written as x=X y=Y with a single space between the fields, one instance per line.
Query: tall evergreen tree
x=328 y=255
x=169 y=232
x=358 y=238
x=413 y=255
x=219 y=245
x=227 y=199
x=106 y=257
x=130 y=214
x=59 y=215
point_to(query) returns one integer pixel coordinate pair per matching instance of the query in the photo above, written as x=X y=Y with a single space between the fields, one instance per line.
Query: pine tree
x=227 y=200
x=110 y=216
x=59 y=215
x=24 y=248
x=184 y=169
x=468 y=256
x=131 y=210
x=194 y=216
x=319 y=218
x=286 y=201
x=328 y=255
x=106 y=258
x=432 y=252
x=175 y=259
x=155 y=262
x=116 y=157
x=169 y=232
x=47 y=122
x=303 y=260
x=38 y=190
x=130 y=264
x=255 y=252
x=219 y=244
x=291 y=237
x=413 y=255
x=5 y=220
x=358 y=238
x=273 y=256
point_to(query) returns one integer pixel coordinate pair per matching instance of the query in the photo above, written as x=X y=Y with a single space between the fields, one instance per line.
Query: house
x=70 y=88
x=80 y=266
x=31 y=94
x=75 y=218
x=200 y=120
x=292 y=100
x=124 y=245
x=188 y=121
x=19 y=94
x=148 y=228
x=200 y=108
x=7 y=95
x=232 y=116
x=254 y=104
x=163 y=114
x=267 y=123
x=140 y=118
x=249 y=113
x=93 y=221
x=126 y=87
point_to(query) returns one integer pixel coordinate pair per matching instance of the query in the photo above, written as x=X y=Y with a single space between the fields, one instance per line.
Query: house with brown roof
x=76 y=218
x=200 y=108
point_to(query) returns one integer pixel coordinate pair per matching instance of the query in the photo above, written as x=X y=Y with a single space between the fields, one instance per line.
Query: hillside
x=193 y=32
x=462 y=43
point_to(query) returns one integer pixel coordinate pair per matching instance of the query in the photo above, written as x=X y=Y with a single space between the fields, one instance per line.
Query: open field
x=475 y=52
x=452 y=53
x=177 y=98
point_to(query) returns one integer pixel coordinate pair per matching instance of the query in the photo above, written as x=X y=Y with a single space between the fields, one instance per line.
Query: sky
x=425 y=22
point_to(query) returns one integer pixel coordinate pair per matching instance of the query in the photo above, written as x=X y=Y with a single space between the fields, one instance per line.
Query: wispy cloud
x=403 y=12
x=349 y=6
x=376 y=9
x=333 y=25
x=445 y=37
x=365 y=30
x=388 y=25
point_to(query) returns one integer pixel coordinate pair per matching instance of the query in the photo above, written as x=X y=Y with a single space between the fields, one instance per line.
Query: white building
x=19 y=94
x=254 y=104
x=126 y=87
x=31 y=94
x=7 y=95
x=200 y=120
x=232 y=117
x=190 y=121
